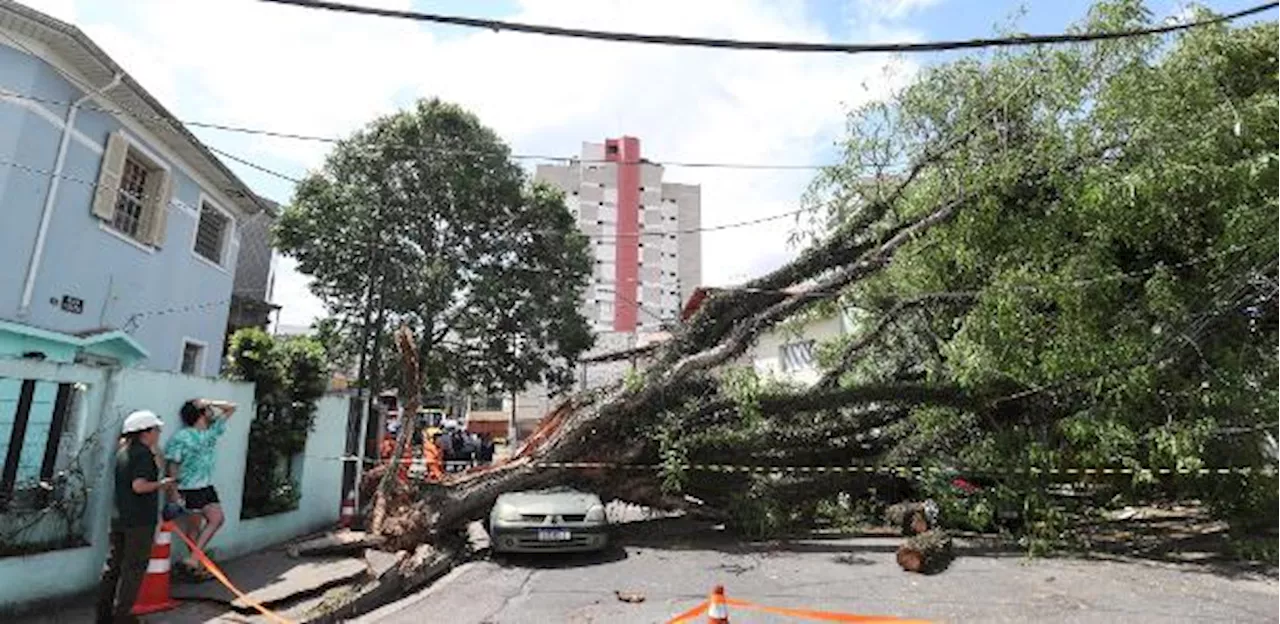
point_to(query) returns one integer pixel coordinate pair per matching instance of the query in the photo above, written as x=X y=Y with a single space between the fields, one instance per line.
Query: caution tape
x=806 y=614
x=917 y=470
x=226 y=582
x=1265 y=471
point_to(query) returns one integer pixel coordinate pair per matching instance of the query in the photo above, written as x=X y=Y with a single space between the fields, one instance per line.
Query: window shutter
x=158 y=205
x=105 y=193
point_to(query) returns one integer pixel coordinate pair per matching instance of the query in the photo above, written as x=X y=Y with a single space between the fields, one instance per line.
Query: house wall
x=169 y=292
x=109 y=395
x=766 y=353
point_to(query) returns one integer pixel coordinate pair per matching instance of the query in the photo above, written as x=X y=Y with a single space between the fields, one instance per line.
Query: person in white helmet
x=137 y=498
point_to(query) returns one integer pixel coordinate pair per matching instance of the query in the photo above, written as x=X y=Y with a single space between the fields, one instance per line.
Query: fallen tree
x=954 y=273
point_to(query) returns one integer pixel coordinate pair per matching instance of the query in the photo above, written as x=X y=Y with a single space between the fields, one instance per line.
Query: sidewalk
x=294 y=588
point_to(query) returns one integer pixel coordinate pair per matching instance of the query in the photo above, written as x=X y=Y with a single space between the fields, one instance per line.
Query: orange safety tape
x=689 y=615
x=826 y=616
x=222 y=578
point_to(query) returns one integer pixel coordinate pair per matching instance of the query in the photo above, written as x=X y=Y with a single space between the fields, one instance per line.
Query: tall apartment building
x=643 y=231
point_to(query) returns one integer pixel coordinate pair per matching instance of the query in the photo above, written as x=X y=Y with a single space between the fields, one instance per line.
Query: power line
x=774 y=46
x=253 y=165
x=426 y=149
x=960 y=294
x=603 y=238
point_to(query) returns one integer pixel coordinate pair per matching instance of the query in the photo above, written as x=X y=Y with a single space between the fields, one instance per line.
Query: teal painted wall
x=109 y=396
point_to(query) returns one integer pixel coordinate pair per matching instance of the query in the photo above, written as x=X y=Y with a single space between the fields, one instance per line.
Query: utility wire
x=253 y=165
x=426 y=149
x=774 y=46
x=602 y=238
x=962 y=294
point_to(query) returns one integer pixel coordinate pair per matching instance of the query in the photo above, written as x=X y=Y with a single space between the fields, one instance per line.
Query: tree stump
x=926 y=553
x=909 y=518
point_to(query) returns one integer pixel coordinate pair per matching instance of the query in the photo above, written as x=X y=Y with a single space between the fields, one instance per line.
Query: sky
x=291 y=69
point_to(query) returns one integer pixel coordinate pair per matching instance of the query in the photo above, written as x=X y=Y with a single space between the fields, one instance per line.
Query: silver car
x=558 y=519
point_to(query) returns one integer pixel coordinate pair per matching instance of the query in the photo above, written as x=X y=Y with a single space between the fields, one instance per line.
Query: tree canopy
x=424 y=215
x=1126 y=299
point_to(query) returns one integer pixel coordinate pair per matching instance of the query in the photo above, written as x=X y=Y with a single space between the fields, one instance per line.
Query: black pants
x=122 y=576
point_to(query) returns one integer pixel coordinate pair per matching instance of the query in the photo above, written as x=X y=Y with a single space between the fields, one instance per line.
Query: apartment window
x=211 y=233
x=132 y=193
x=192 y=357
x=796 y=356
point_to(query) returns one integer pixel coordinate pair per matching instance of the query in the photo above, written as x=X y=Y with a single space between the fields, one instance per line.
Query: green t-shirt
x=195 y=450
x=133 y=510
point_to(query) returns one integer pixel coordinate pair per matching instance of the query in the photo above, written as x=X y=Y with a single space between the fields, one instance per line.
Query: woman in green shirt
x=191 y=454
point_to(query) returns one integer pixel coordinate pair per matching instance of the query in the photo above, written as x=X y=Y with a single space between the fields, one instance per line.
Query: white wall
x=766 y=353
x=107 y=398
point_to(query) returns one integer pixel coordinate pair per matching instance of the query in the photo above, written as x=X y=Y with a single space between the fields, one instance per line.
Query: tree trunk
x=926 y=553
x=410 y=401
x=908 y=518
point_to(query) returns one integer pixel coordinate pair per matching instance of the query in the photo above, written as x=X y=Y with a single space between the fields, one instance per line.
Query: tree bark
x=927 y=553
x=908 y=518
x=410 y=401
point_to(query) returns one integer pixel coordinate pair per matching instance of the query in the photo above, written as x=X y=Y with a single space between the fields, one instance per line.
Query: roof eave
x=249 y=201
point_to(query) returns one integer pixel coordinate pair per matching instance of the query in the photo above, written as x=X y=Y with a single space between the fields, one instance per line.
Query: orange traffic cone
x=153 y=596
x=717 y=610
x=347 y=513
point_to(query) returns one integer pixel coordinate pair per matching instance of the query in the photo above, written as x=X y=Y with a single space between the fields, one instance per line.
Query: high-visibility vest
x=435 y=460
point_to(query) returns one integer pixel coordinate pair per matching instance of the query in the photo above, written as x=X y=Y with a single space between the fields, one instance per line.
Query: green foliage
x=633 y=380
x=289 y=377
x=673 y=449
x=424 y=213
x=1118 y=239
x=1259 y=549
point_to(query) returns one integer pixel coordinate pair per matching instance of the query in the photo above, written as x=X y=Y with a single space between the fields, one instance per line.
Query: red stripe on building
x=626 y=153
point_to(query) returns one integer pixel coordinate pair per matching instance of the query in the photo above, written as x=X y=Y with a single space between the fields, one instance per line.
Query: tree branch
x=855 y=347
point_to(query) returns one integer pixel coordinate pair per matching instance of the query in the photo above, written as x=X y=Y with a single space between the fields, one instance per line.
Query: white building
x=787 y=352
x=647 y=253
x=644 y=234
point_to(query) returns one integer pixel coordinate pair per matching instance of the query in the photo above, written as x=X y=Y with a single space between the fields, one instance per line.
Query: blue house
x=117 y=226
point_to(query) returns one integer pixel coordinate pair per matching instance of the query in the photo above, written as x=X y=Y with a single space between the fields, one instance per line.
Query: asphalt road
x=849 y=575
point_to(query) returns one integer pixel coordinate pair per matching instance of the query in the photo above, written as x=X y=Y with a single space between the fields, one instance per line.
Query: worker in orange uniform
x=388 y=447
x=434 y=454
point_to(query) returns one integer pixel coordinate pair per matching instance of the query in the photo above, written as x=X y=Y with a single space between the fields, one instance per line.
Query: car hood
x=549 y=501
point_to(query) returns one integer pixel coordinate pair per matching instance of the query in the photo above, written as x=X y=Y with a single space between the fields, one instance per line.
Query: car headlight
x=507 y=514
x=595 y=514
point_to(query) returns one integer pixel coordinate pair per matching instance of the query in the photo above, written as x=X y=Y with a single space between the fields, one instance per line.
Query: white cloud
x=297 y=70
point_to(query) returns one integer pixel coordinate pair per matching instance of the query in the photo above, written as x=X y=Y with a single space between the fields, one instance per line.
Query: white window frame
x=200 y=362
x=223 y=253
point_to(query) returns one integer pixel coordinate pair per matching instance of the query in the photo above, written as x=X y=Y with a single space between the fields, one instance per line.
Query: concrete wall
x=175 y=293
x=111 y=394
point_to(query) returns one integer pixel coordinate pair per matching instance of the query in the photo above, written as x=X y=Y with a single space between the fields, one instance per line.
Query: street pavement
x=857 y=575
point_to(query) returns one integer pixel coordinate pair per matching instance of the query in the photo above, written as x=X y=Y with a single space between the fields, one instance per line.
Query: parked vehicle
x=559 y=519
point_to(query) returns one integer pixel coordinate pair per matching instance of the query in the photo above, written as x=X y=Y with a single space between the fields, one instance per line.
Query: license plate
x=551 y=535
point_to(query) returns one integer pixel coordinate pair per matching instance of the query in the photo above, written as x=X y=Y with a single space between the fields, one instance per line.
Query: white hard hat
x=141 y=420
